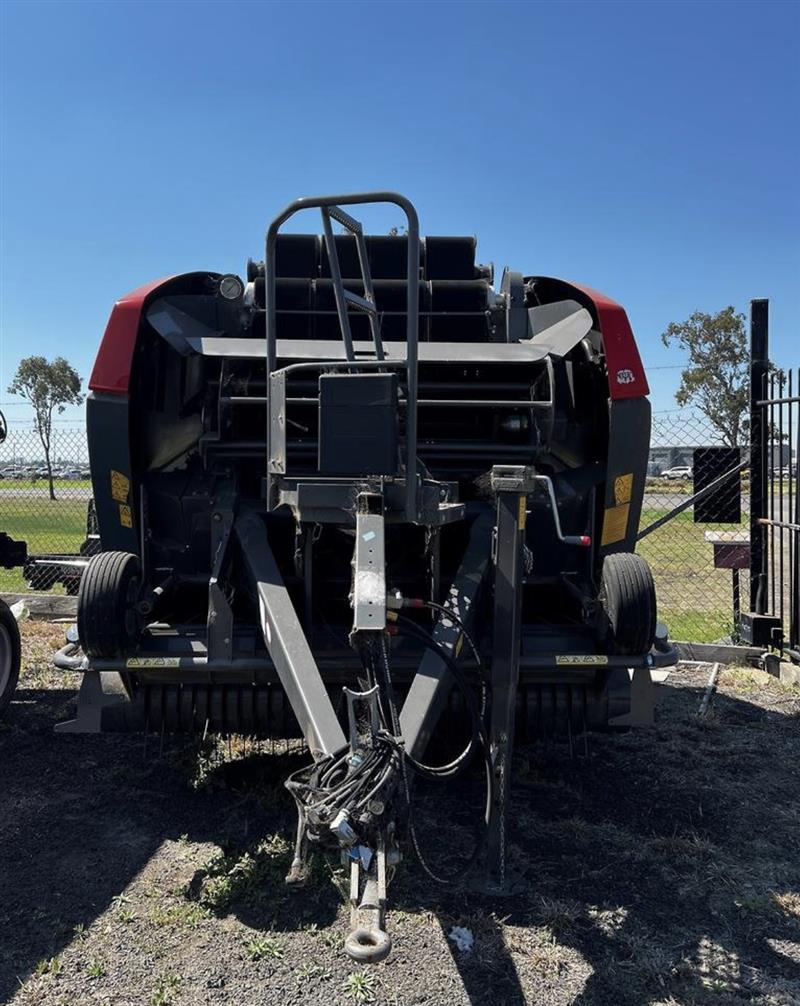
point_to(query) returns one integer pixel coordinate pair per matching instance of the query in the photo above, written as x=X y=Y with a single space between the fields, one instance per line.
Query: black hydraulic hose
x=459 y=764
x=428 y=640
x=455 y=617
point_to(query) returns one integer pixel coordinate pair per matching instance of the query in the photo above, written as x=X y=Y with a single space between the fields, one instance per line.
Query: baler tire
x=628 y=596
x=10 y=655
x=108 y=622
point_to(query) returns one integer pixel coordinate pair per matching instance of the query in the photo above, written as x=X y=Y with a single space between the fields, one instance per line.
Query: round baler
x=368 y=496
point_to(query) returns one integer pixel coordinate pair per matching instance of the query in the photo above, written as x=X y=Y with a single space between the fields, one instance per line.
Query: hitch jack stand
x=511 y=484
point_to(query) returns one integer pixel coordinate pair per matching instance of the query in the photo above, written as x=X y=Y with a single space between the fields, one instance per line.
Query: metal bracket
x=219 y=623
x=369 y=566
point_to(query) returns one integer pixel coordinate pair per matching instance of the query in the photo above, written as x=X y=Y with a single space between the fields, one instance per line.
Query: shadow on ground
x=663 y=867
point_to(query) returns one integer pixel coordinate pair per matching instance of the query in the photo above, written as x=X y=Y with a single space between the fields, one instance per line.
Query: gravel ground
x=663 y=867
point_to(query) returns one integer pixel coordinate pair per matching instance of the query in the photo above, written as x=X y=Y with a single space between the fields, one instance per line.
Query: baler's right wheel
x=628 y=596
x=108 y=622
x=9 y=655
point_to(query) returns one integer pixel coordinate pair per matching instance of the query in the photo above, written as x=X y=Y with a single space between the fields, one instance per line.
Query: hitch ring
x=369 y=945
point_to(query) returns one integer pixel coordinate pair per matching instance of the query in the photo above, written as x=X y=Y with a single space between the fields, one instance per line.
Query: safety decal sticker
x=615 y=524
x=120 y=487
x=523 y=512
x=125 y=515
x=582 y=660
x=623 y=488
x=133 y=662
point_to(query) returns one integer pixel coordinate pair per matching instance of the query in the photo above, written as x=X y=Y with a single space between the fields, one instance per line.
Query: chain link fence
x=55 y=525
x=695 y=595
x=699 y=554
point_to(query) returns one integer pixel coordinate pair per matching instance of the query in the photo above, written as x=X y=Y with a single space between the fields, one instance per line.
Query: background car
x=679 y=472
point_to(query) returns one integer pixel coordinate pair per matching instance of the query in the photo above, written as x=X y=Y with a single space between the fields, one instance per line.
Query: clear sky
x=647 y=149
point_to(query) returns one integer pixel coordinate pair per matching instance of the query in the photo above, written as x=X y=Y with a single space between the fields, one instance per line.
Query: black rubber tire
x=628 y=596
x=108 y=622
x=10 y=655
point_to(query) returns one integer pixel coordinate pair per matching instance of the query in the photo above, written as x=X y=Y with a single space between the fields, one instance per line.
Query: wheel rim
x=6 y=658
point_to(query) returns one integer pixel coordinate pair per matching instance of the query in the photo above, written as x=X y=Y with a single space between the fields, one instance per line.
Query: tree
x=49 y=387
x=716 y=378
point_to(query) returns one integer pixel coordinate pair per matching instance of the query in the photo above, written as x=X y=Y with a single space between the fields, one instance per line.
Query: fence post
x=759 y=366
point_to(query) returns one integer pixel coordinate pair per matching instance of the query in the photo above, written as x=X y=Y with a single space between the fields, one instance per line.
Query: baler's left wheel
x=9 y=655
x=108 y=621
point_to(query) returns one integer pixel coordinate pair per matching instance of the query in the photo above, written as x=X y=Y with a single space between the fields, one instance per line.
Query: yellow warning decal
x=125 y=516
x=523 y=512
x=623 y=487
x=120 y=487
x=582 y=660
x=615 y=524
x=133 y=662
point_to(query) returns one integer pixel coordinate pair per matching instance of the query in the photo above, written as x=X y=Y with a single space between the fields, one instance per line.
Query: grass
x=166 y=990
x=11 y=485
x=361 y=987
x=49 y=966
x=262 y=947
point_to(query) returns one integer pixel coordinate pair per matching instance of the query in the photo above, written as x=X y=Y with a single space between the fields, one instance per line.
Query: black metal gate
x=774 y=499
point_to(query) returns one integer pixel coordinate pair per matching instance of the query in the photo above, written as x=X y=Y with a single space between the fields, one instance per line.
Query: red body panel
x=112 y=368
x=626 y=377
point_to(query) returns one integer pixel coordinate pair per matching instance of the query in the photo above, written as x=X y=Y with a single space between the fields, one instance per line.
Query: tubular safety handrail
x=326 y=204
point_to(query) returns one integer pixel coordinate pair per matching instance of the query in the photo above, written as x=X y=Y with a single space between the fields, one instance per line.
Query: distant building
x=674 y=456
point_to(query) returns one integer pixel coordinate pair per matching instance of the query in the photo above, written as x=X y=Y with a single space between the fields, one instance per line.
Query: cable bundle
x=344 y=798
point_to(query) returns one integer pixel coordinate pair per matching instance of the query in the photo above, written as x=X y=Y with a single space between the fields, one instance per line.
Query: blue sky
x=649 y=150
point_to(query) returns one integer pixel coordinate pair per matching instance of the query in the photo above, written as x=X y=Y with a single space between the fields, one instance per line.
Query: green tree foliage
x=716 y=378
x=49 y=387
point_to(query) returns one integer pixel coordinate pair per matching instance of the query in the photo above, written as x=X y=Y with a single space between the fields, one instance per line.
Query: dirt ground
x=663 y=867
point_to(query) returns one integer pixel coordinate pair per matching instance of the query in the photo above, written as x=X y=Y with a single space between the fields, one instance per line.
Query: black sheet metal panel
x=287 y=643
x=724 y=504
x=113 y=489
x=358 y=423
x=628 y=448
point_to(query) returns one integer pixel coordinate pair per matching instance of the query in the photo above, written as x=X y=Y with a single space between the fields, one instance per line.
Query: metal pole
x=508 y=583
x=759 y=366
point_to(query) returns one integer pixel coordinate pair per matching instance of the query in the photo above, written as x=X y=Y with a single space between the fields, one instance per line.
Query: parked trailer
x=368 y=497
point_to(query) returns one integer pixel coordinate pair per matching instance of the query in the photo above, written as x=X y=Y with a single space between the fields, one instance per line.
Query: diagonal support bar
x=286 y=642
x=431 y=685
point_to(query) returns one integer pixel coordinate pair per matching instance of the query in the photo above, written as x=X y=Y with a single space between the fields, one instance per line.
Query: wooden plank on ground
x=46 y=606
